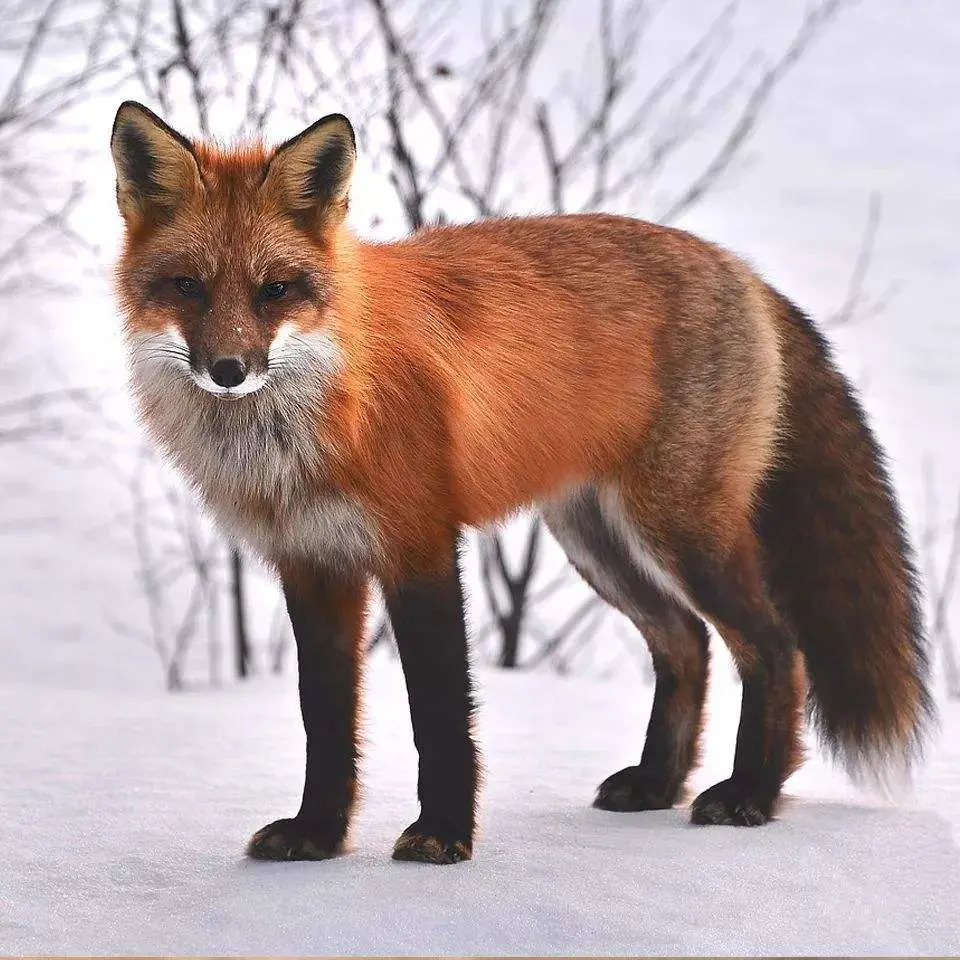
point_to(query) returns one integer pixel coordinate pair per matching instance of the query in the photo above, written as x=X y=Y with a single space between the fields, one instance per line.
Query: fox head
x=227 y=268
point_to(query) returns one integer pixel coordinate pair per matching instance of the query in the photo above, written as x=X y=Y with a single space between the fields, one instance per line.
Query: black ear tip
x=338 y=120
x=125 y=112
x=132 y=106
x=336 y=124
x=344 y=121
x=130 y=109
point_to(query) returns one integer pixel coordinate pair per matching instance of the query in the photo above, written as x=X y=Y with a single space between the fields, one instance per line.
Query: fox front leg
x=327 y=614
x=427 y=617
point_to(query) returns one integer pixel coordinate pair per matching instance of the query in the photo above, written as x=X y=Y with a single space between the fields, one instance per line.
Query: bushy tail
x=840 y=567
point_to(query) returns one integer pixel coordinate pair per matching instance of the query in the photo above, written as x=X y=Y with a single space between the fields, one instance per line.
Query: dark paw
x=291 y=840
x=734 y=803
x=634 y=789
x=422 y=843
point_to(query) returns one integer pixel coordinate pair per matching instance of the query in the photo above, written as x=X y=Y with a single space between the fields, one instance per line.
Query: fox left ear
x=313 y=170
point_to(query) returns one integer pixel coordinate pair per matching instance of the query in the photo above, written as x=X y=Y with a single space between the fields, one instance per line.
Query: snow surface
x=124 y=819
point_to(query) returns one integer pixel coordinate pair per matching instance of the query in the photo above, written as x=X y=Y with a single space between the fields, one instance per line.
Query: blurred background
x=819 y=140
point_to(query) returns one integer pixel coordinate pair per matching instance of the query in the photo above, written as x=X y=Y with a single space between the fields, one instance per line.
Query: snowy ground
x=124 y=819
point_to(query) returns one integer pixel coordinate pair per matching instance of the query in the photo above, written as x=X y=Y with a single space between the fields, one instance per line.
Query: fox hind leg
x=678 y=644
x=769 y=745
x=717 y=572
x=671 y=746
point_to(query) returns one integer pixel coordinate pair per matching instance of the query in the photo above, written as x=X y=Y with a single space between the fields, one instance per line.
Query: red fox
x=348 y=408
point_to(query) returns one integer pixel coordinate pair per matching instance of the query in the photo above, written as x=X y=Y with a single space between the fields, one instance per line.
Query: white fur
x=264 y=444
x=565 y=529
x=251 y=385
x=644 y=556
x=557 y=515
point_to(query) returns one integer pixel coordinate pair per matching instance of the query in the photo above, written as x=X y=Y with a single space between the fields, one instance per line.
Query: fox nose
x=228 y=372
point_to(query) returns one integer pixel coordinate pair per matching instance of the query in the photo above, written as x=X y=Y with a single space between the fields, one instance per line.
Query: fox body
x=347 y=408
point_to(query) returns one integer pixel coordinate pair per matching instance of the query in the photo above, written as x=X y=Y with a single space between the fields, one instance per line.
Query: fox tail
x=840 y=567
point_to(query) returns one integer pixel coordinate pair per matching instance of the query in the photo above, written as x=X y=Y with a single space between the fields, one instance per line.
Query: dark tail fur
x=840 y=567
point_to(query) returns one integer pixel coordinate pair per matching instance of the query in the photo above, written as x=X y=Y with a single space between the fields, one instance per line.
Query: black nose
x=228 y=372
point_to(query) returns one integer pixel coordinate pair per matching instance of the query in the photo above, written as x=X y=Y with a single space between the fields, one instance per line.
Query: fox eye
x=189 y=287
x=274 y=291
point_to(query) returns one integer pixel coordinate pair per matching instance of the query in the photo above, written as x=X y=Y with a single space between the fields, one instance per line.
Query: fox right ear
x=156 y=167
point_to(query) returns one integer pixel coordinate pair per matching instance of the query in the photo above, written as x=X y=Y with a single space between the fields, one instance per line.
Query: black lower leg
x=327 y=616
x=766 y=737
x=428 y=622
x=670 y=748
x=732 y=594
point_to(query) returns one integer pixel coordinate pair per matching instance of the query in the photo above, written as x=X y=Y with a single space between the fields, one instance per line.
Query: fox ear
x=156 y=166
x=313 y=170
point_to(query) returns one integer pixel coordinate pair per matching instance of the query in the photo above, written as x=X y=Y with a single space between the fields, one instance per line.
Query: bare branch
x=816 y=19
x=189 y=64
x=856 y=306
x=562 y=634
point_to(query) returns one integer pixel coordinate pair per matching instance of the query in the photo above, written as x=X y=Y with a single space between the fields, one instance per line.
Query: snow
x=125 y=817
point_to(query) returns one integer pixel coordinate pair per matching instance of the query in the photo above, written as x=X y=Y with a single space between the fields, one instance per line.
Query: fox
x=349 y=410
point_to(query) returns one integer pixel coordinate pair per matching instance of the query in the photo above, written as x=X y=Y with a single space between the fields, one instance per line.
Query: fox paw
x=734 y=803
x=421 y=844
x=291 y=839
x=634 y=789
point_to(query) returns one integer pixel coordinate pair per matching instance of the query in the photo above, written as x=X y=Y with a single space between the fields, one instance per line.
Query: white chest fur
x=258 y=462
x=327 y=528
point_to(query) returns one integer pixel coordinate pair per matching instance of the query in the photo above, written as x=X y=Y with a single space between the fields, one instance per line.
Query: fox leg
x=678 y=644
x=427 y=616
x=679 y=647
x=723 y=583
x=327 y=614
x=769 y=736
